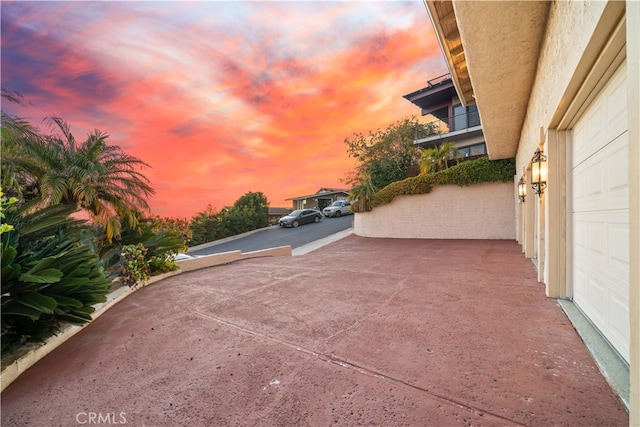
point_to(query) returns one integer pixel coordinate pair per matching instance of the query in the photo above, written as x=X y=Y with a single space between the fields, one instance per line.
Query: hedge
x=463 y=174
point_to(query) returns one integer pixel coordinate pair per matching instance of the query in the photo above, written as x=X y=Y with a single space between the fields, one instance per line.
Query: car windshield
x=338 y=203
x=295 y=213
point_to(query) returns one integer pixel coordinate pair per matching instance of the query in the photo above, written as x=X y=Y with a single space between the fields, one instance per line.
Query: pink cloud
x=260 y=102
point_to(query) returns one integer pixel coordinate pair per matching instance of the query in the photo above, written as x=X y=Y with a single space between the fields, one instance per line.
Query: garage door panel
x=603 y=299
x=601 y=182
x=601 y=241
x=580 y=287
x=600 y=213
x=604 y=120
x=598 y=297
x=619 y=323
x=579 y=234
x=588 y=132
x=617 y=155
x=599 y=289
x=595 y=184
x=618 y=245
x=595 y=239
x=616 y=101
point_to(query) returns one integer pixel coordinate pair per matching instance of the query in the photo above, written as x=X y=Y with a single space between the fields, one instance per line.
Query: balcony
x=438 y=91
x=454 y=128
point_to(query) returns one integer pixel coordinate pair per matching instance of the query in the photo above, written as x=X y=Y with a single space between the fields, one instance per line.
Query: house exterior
x=452 y=121
x=563 y=77
x=320 y=199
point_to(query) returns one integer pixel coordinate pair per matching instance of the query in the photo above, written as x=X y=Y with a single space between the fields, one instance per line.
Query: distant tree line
x=249 y=212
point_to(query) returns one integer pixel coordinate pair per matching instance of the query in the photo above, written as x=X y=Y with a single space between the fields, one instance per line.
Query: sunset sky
x=221 y=98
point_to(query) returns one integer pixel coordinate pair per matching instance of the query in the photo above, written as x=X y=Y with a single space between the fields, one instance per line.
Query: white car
x=337 y=209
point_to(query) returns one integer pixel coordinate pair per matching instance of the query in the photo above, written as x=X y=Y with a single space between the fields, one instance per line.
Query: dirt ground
x=378 y=332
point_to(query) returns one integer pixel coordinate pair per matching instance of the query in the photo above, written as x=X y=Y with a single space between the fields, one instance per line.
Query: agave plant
x=50 y=272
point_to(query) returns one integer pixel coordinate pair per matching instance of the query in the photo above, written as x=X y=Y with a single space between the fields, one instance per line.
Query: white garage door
x=600 y=216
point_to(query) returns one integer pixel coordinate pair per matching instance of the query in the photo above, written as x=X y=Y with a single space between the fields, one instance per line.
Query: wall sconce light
x=522 y=189
x=539 y=172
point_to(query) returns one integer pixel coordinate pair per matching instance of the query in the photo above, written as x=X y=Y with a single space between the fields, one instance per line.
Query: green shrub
x=50 y=274
x=162 y=264
x=135 y=268
x=158 y=243
x=464 y=174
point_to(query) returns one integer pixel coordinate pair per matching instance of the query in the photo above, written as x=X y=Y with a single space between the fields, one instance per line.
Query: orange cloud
x=223 y=98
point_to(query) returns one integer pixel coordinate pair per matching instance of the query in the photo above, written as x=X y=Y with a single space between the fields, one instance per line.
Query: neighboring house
x=564 y=77
x=321 y=199
x=453 y=122
x=276 y=213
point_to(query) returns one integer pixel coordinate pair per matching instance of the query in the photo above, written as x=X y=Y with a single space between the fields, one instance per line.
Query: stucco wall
x=564 y=53
x=482 y=211
x=579 y=53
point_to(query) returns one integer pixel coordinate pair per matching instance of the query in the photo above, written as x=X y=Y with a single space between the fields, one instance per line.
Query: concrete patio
x=389 y=332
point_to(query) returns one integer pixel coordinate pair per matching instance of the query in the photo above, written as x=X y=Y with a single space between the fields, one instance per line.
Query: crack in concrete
x=227 y=298
x=363 y=370
x=384 y=304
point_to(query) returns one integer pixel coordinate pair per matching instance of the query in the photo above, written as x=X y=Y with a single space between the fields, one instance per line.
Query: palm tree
x=93 y=176
x=437 y=158
x=17 y=136
x=363 y=193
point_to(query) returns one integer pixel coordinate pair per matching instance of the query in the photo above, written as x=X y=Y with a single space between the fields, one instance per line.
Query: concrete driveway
x=364 y=332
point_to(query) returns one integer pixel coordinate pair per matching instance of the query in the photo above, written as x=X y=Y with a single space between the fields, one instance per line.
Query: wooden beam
x=457 y=51
x=448 y=19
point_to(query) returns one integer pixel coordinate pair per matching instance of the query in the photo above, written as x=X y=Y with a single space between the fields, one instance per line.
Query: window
x=465 y=117
x=474 y=116
x=459 y=117
x=473 y=150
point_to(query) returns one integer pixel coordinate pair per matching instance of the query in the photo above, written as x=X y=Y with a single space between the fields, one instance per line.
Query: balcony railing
x=458 y=122
x=439 y=79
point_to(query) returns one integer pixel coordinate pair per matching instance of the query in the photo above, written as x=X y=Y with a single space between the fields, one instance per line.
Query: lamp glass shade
x=539 y=172
x=522 y=188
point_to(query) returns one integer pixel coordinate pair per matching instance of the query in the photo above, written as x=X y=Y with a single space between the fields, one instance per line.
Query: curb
x=24 y=362
x=309 y=247
x=228 y=239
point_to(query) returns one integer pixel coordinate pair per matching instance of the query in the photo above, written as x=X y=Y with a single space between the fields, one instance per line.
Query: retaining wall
x=480 y=211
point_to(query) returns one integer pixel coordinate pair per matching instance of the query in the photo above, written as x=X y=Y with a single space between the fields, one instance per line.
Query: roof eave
x=492 y=49
x=317 y=195
x=448 y=35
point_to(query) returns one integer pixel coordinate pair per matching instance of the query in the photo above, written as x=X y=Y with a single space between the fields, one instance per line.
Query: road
x=272 y=237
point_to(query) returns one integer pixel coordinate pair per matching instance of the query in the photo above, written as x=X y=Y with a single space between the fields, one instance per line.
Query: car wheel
x=338 y=213
x=295 y=224
x=317 y=219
